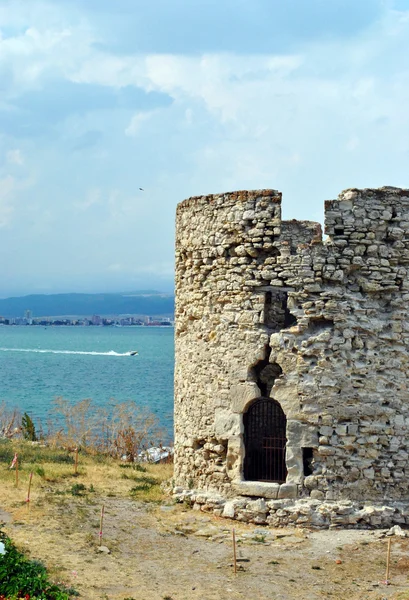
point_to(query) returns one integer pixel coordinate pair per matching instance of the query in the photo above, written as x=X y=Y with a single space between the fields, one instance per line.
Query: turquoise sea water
x=38 y=364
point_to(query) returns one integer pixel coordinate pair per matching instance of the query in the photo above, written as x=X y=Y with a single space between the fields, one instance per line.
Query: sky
x=99 y=98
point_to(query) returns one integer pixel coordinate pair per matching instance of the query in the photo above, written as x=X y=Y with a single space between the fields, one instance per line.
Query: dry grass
x=154 y=551
x=60 y=524
x=54 y=480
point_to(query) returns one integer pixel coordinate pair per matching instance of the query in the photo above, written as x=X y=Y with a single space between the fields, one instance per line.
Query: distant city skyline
x=94 y=320
x=113 y=112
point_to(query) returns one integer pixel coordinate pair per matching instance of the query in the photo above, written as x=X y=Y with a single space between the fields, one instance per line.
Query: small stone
x=208 y=531
x=396 y=530
x=229 y=510
x=104 y=549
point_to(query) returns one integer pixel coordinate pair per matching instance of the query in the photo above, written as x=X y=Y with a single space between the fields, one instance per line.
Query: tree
x=28 y=428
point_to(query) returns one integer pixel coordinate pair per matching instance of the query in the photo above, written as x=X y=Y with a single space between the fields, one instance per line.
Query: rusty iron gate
x=265 y=440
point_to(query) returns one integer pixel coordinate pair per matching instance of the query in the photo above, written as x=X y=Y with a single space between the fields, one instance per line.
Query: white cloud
x=137 y=121
x=93 y=197
x=281 y=100
x=329 y=115
x=162 y=269
x=352 y=144
x=15 y=157
x=41 y=51
x=7 y=189
x=116 y=268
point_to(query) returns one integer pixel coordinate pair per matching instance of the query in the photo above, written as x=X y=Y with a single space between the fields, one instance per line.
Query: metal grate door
x=265 y=440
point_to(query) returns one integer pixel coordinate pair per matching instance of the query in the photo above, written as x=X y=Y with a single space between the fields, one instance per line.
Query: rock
x=287 y=490
x=209 y=531
x=229 y=510
x=257 y=506
x=165 y=508
x=396 y=530
x=104 y=549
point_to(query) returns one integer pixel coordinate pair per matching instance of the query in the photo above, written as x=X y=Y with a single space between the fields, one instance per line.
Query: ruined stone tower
x=292 y=354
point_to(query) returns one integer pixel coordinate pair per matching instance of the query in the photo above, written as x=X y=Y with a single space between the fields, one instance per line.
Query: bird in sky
x=141 y=189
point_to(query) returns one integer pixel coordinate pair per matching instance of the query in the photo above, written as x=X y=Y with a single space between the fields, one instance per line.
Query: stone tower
x=292 y=355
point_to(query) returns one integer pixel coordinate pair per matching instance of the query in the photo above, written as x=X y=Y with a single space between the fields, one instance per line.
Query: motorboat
x=133 y=353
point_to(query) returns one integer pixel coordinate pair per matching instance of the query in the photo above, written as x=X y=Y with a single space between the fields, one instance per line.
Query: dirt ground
x=170 y=552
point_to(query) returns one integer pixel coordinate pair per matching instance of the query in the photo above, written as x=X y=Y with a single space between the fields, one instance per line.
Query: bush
x=10 y=422
x=134 y=466
x=40 y=471
x=144 y=484
x=28 y=428
x=24 y=578
x=77 y=489
x=121 y=431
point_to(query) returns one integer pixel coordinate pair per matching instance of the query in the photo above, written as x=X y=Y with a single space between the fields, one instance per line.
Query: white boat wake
x=37 y=350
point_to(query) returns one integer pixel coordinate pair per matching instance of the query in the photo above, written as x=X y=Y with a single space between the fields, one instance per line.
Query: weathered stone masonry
x=266 y=309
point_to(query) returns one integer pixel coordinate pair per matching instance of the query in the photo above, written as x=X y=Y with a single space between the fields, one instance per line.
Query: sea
x=40 y=364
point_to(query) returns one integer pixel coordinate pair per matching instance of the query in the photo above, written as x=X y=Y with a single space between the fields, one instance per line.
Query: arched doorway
x=264 y=441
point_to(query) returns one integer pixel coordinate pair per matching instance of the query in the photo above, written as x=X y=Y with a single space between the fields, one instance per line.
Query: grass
x=71 y=503
x=33 y=453
x=53 y=471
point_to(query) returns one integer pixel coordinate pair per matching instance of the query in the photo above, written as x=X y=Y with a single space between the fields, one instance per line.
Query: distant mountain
x=145 y=302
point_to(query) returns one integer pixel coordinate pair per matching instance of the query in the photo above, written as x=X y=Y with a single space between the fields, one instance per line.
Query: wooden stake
x=16 y=472
x=76 y=462
x=101 y=522
x=234 y=552
x=388 y=561
x=29 y=487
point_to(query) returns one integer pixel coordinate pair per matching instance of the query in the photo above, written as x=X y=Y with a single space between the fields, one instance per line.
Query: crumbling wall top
x=301 y=232
x=229 y=198
x=365 y=209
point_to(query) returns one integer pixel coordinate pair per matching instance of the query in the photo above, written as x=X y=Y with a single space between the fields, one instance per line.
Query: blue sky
x=181 y=98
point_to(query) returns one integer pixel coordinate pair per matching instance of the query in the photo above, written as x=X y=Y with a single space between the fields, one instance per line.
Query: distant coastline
x=84 y=322
x=130 y=308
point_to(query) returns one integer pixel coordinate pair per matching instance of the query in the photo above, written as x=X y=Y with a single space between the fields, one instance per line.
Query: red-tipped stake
x=76 y=462
x=234 y=552
x=14 y=463
x=101 y=522
x=388 y=561
x=29 y=487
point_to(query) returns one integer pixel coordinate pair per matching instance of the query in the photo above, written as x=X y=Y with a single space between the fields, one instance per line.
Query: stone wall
x=266 y=307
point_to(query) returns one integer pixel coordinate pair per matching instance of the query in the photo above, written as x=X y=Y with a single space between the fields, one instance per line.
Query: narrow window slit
x=307 y=458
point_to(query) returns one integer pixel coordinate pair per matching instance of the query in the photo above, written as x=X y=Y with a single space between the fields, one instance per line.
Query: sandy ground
x=169 y=552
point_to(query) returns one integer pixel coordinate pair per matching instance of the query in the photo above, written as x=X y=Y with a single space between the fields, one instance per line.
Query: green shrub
x=141 y=487
x=63 y=458
x=28 y=428
x=144 y=484
x=134 y=467
x=21 y=577
x=77 y=489
x=140 y=468
x=6 y=452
